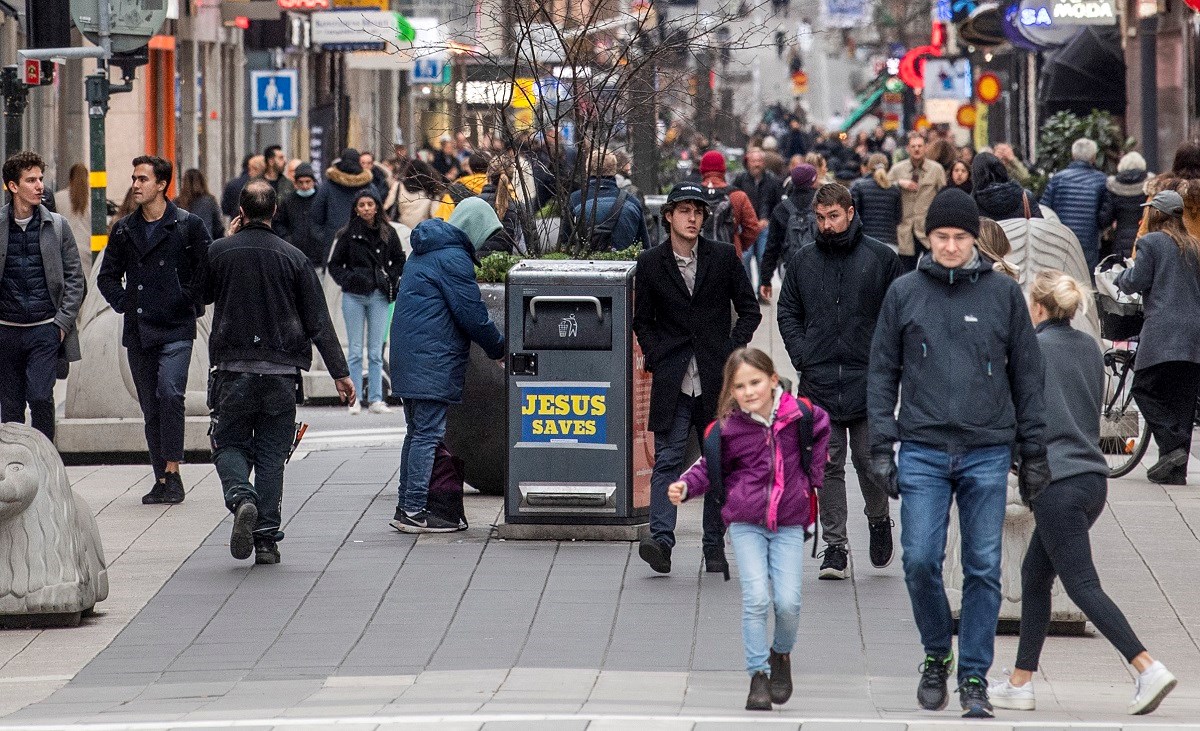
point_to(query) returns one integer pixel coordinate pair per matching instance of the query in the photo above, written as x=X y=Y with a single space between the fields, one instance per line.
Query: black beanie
x=953 y=208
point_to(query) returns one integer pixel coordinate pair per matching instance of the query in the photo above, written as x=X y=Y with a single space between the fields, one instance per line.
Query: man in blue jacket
x=602 y=216
x=439 y=312
x=1079 y=195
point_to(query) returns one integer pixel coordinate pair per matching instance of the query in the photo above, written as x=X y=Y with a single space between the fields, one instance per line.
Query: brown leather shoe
x=781 y=677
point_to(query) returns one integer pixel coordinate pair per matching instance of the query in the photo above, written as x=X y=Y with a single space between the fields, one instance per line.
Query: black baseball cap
x=687 y=192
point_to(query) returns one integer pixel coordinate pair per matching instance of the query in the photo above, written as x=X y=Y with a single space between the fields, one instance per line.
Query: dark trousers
x=253 y=429
x=670 y=448
x=160 y=375
x=851 y=434
x=1166 y=394
x=1060 y=547
x=28 y=366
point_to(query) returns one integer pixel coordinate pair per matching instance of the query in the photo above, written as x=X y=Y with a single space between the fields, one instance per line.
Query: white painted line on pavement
x=37 y=679
x=483 y=718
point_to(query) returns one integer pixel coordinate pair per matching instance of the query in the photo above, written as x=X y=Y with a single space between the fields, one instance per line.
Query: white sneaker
x=1151 y=687
x=379 y=407
x=355 y=408
x=1003 y=694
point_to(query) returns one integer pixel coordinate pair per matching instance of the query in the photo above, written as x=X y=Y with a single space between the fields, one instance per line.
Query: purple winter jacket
x=764 y=482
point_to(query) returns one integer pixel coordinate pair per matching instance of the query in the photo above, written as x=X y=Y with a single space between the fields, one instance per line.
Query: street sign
x=33 y=72
x=274 y=94
x=133 y=21
x=427 y=70
x=355 y=30
x=987 y=88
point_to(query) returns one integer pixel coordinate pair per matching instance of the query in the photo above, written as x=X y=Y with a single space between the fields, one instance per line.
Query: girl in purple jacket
x=769 y=508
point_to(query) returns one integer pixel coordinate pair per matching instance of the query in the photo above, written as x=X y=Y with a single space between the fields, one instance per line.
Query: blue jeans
x=769 y=566
x=670 y=447
x=371 y=311
x=978 y=480
x=426 y=422
x=756 y=252
x=160 y=375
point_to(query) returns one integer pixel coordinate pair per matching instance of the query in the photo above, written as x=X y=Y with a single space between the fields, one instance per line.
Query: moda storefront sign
x=1067 y=12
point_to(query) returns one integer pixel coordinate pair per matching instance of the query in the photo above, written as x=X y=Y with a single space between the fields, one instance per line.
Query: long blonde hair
x=1061 y=294
x=994 y=246
x=753 y=357
x=878 y=163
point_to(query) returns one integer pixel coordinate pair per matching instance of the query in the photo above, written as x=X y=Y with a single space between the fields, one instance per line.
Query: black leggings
x=1064 y=513
x=1166 y=394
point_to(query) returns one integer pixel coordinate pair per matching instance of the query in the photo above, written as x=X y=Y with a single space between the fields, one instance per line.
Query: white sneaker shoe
x=1151 y=687
x=1003 y=694
x=379 y=407
x=355 y=408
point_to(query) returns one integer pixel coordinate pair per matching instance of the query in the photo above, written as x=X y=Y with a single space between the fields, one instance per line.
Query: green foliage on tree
x=1061 y=130
x=494 y=267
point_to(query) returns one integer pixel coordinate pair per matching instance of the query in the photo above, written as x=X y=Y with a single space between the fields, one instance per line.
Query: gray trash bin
x=578 y=399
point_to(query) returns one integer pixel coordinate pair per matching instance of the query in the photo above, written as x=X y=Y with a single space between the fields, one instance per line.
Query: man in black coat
x=149 y=273
x=684 y=290
x=269 y=312
x=293 y=222
x=827 y=311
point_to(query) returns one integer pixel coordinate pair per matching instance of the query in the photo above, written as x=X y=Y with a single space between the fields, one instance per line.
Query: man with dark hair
x=149 y=273
x=470 y=183
x=686 y=290
x=293 y=222
x=269 y=312
x=276 y=164
x=830 y=301
x=41 y=289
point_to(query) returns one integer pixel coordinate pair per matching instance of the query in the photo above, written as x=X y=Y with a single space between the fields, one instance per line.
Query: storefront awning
x=1088 y=73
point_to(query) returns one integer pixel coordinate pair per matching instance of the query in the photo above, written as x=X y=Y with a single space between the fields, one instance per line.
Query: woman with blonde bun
x=1068 y=507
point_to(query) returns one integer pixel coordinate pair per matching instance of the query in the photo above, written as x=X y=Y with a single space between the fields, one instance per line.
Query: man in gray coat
x=41 y=290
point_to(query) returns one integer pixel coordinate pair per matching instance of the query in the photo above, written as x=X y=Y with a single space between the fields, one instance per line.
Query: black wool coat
x=672 y=326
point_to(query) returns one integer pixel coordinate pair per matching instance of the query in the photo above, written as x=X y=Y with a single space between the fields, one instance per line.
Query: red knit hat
x=712 y=162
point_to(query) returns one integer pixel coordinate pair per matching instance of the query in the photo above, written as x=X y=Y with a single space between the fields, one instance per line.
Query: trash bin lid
x=571 y=271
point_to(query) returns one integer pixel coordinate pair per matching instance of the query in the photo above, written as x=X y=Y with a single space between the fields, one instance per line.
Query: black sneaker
x=836 y=564
x=760 y=693
x=781 y=677
x=973 y=696
x=241 y=539
x=173 y=489
x=882 y=549
x=155 y=496
x=715 y=561
x=266 y=551
x=657 y=554
x=422 y=522
x=1164 y=469
x=932 y=692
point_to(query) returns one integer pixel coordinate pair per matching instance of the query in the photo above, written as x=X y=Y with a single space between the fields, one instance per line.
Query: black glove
x=1033 y=477
x=883 y=470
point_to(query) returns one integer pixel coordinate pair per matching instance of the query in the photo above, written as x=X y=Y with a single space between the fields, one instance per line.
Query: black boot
x=781 y=677
x=173 y=489
x=760 y=693
x=657 y=554
x=715 y=561
x=155 y=496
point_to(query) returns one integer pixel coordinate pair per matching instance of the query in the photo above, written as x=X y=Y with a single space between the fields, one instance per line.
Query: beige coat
x=915 y=204
x=413 y=206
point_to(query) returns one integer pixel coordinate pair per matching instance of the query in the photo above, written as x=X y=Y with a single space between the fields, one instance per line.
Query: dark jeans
x=977 y=480
x=833 y=496
x=160 y=375
x=426 y=426
x=28 y=366
x=253 y=429
x=1060 y=547
x=670 y=447
x=1166 y=394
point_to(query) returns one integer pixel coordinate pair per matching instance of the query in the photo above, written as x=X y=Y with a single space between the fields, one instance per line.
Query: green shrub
x=494 y=267
x=1061 y=130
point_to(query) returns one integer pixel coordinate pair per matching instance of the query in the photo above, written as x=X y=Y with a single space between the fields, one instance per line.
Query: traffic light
x=49 y=23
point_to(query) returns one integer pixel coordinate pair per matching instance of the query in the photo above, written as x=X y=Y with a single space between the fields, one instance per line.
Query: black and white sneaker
x=932 y=691
x=973 y=697
x=836 y=564
x=422 y=522
x=241 y=539
x=882 y=548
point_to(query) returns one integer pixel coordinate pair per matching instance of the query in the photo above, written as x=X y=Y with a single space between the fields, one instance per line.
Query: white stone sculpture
x=51 y=559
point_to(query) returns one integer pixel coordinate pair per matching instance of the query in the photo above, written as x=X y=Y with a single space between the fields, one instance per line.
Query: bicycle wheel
x=1124 y=431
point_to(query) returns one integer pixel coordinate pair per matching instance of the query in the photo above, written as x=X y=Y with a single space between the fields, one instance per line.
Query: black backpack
x=711 y=449
x=719 y=226
x=801 y=227
x=598 y=235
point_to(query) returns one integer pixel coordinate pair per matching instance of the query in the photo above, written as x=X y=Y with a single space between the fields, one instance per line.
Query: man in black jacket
x=293 y=222
x=827 y=312
x=149 y=274
x=765 y=191
x=269 y=312
x=684 y=290
x=955 y=343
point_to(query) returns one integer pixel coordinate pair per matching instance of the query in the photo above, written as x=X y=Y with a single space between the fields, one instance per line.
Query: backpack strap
x=805 y=428
x=711 y=449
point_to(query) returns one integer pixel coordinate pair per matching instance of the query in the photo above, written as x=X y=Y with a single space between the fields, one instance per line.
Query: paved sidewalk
x=360 y=621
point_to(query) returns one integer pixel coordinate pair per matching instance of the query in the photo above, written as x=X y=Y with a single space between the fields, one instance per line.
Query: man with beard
x=827 y=311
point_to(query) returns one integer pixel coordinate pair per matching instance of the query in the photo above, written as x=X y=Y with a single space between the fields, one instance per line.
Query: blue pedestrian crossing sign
x=274 y=94
x=428 y=70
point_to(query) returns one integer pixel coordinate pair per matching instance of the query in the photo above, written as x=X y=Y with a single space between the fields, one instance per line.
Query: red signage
x=33 y=72
x=304 y=4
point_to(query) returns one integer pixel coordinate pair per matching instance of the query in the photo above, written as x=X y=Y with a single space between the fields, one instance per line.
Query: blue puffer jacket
x=24 y=292
x=439 y=311
x=602 y=194
x=1079 y=196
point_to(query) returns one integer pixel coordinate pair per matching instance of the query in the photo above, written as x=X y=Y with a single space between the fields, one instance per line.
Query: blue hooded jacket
x=439 y=311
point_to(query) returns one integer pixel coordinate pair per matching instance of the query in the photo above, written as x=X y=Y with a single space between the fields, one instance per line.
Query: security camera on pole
x=121 y=29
